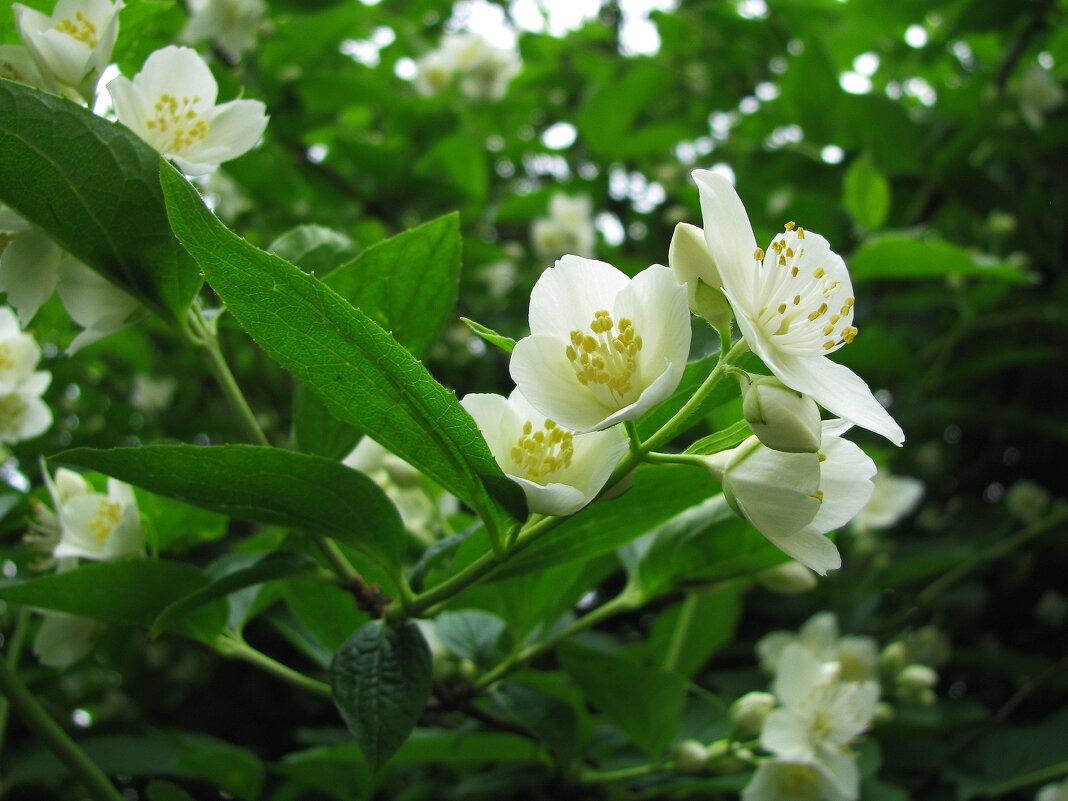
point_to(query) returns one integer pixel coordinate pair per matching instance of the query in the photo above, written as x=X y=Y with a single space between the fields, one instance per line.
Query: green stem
x=336 y=559
x=54 y=738
x=201 y=333
x=624 y=602
x=683 y=631
x=636 y=772
x=676 y=458
x=14 y=652
x=1034 y=777
x=232 y=646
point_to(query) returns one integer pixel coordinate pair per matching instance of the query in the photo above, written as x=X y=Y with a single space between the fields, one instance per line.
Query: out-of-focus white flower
x=1038 y=93
x=793 y=304
x=65 y=639
x=224 y=195
x=483 y=70
x=72 y=45
x=1058 y=791
x=421 y=506
x=499 y=277
x=170 y=104
x=915 y=685
x=19 y=352
x=94 y=525
x=789 y=578
x=748 y=713
x=603 y=348
x=152 y=395
x=1027 y=500
x=559 y=471
x=94 y=303
x=819 y=717
x=230 y=24
x=23 y=415
x=780 y=779
x=17 y=64
x=567 y=229
x=851 y=658
x=894 y=498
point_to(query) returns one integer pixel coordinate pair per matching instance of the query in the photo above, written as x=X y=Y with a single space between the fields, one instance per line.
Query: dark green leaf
x=132 y=592
x=381 y=680
x=362 y=374
x=551 y=720
x=313 y=248
x=266 y=485
x=507 y=344
x=715 y=615
x=470 y=634
x=93 y=186
x=722 y=440
x=900 y=256
x=159 y=790
x=646 y=703
x=866 y=194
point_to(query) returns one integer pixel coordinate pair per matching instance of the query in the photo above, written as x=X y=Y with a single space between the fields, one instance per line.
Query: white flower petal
x=788 y=735
x=656 y=303
x=838 y=390
x=845 y=481
x=235 y=127
x=539 y=365
x=774 y=491
x=811 y=549
x=29 y=269
x=180 y=72
x=63 y=639
x=727 y=232
x=567 y=296
x=799 y=673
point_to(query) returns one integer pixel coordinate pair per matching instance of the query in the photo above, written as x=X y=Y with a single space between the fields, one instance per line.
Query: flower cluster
x=82 y=524
x=482 y=70
x=567 y=230
x=231 y=25
x=23 y=415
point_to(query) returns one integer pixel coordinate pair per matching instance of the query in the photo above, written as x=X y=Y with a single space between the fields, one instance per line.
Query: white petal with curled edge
x=567 y=296
x=727 y=232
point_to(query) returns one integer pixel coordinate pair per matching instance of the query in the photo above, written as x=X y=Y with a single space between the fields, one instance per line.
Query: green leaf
x=93 y=186
x=235 y=770
x=265 y=485
x=314 y=248
x=407 y=284
x=470 y=634
x=159 y=790
x=866 y=194
x=901 y=256
x=715 y=615
x=664 y=559
x=132 y=592
x=271 y=568
x=326 y=611
x=551 y=720
x=721 y=440
x=381 y=680
x=507 y=344
x=694 y=375
x=646 y=703
x=361 y=373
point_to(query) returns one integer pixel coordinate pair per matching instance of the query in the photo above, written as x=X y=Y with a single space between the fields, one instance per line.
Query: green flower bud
x=789 y=578
x=747 y=714
x=693 y=265
x=915 y=685
x=783 y=419
x=894 y=658
x=690 y=757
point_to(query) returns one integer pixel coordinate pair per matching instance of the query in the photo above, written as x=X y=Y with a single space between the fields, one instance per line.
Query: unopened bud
x=693 y=265
x=789 y=578
x=1026 y=500
x=729 y=760
x=690 y=757
x=894 y=658
x=915 y=685
x=883 y=713
x=782 y=418
x=747 y=714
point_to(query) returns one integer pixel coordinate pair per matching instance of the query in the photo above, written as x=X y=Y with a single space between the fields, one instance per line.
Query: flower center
x=7 y=361
x=108 y=514
x=540 y=455
x=606 y=359
x=803 y=310
x=81 y=28
x=177 y=122
x=799 y=781
x=12 y=408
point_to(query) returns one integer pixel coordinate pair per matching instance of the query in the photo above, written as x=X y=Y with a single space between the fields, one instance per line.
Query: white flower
x=223 y=195
x=795 y=780
x=17 y=64
x=567 y=229
x=559 y=471
x=23 y=415
x=152 y=395
x=73 y=45
x=94 y=525
x=19 y=352
x=747 y=714
x=1038 y=93
x=32 y=266
x=1057 y=791
x=421 y=506
x=851 y=658
x=230 y=24
x=171 y=105
x=603 y=348
x=894 y=498
x=64 y=639
x=484 y=71
x=789 y=578
x=819 y=717
x=793 y=304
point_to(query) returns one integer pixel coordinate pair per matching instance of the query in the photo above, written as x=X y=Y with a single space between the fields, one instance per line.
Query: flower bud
x=884 y=713
x=915 y=685
x=1027 y=500
x=747 y=714
x=724 y=760
x=894 y=658
x=789 y=578
x=782 y=418
x=693 y=265
x=690 y=757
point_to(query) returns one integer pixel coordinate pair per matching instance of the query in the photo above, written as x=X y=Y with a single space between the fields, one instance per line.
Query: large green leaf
x=92 y=185
x=266 y=485
x=901 y=256
x=381 y=680
x=866 y=194
x=364 y=376
x=646 y=703
x=132 y=592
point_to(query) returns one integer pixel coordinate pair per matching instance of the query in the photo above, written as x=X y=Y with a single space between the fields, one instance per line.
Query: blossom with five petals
x=72 y=45
x=793 y=304
x=603 y=348
x=93 y=525
x=170 y=104
x=558 y=470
